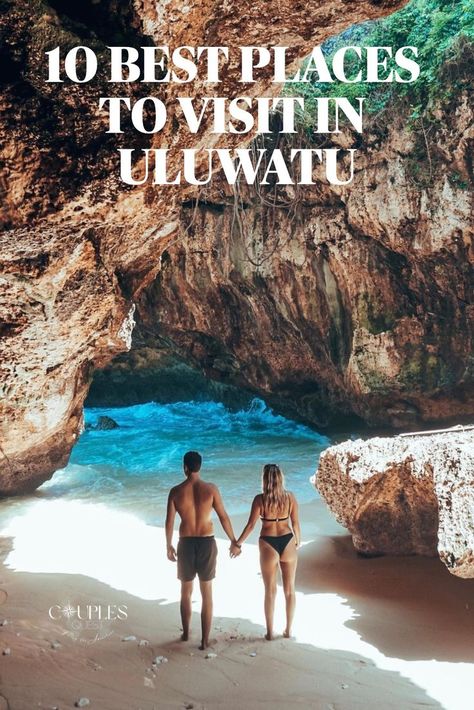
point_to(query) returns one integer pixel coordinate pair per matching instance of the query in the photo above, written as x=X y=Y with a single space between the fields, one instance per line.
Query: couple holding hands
x=196 y=553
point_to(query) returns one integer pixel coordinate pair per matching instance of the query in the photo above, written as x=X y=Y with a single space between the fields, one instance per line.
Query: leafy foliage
x=443 y=32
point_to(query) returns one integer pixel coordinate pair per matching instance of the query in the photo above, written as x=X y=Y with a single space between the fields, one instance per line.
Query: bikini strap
x=275 y=520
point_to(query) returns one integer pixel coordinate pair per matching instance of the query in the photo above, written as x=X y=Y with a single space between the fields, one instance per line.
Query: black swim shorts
x=197 y=555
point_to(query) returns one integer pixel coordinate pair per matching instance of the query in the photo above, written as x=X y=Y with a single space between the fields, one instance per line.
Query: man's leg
x=206 y=612
x=186 y=594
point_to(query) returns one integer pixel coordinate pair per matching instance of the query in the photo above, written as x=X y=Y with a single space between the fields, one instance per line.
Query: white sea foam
x=133 y=467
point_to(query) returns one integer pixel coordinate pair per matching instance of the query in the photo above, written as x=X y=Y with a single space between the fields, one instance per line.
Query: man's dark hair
x=192 y=461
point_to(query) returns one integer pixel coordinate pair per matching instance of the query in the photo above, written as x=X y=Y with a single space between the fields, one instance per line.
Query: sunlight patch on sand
x=122 y=551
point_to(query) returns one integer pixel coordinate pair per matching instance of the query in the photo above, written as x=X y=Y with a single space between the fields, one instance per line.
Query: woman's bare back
x=276 y=521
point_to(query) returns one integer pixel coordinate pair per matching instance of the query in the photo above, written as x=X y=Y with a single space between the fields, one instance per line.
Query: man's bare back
x=194 y=501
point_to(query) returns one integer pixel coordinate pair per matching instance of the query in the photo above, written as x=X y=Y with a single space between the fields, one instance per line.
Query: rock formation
x=331 y=303
x=405 y=495
x=78 y=247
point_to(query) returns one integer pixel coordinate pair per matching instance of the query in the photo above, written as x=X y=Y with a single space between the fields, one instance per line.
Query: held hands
x=171 y=552
x=234 y=549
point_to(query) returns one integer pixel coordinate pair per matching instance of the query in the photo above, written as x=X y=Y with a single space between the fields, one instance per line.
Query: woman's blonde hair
x=274 y=496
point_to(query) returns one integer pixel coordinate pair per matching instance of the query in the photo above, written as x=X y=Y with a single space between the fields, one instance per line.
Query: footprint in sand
x=3 y=703
x=3 y=599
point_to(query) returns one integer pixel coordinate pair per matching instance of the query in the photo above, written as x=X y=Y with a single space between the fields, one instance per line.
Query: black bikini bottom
x=278 y=542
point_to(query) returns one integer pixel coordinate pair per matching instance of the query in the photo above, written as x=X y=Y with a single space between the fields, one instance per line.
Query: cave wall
x=335 y=304
x=77 y=247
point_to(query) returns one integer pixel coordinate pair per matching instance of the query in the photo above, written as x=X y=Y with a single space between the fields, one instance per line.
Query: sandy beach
x=369 y=633
x=242 y=229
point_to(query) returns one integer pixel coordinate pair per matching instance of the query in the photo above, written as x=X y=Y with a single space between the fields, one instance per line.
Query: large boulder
x=404 y=495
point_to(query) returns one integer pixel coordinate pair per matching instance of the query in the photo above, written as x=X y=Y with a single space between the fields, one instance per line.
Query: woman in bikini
x=278 y=542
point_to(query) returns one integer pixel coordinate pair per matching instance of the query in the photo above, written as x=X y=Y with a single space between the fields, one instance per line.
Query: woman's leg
x=288 y=562
x=269 y=566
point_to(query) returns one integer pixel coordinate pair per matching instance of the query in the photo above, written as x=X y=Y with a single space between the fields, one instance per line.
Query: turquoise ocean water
x=132 y=468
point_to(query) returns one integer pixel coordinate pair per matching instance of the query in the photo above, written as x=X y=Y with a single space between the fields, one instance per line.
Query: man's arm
x=169 y=526
x=218 y=506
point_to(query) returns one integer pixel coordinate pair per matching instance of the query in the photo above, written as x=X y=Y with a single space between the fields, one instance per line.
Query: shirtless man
x=194 y=501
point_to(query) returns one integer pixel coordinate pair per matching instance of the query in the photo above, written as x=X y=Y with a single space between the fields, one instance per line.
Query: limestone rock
x=334 y=304
x=405 y=495
x=79 y=246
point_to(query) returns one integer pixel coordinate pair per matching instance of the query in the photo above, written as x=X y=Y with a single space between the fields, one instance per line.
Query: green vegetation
x=443 y=32
x=457 y=181
x=374 y=318
x=430 y=371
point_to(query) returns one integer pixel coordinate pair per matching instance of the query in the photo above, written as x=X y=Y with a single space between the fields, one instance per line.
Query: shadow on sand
x=408 y=607
x=247 y=672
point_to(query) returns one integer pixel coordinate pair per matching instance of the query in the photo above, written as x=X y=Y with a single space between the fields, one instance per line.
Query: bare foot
x=184 y=636
x=205 y=643
x=287 y=634
x=269 y=637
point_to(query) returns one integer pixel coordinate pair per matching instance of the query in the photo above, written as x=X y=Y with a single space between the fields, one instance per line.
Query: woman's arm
x=252 y=521
x=295 y=520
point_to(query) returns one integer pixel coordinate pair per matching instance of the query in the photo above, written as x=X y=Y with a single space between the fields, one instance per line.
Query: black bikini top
x=276 y=520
